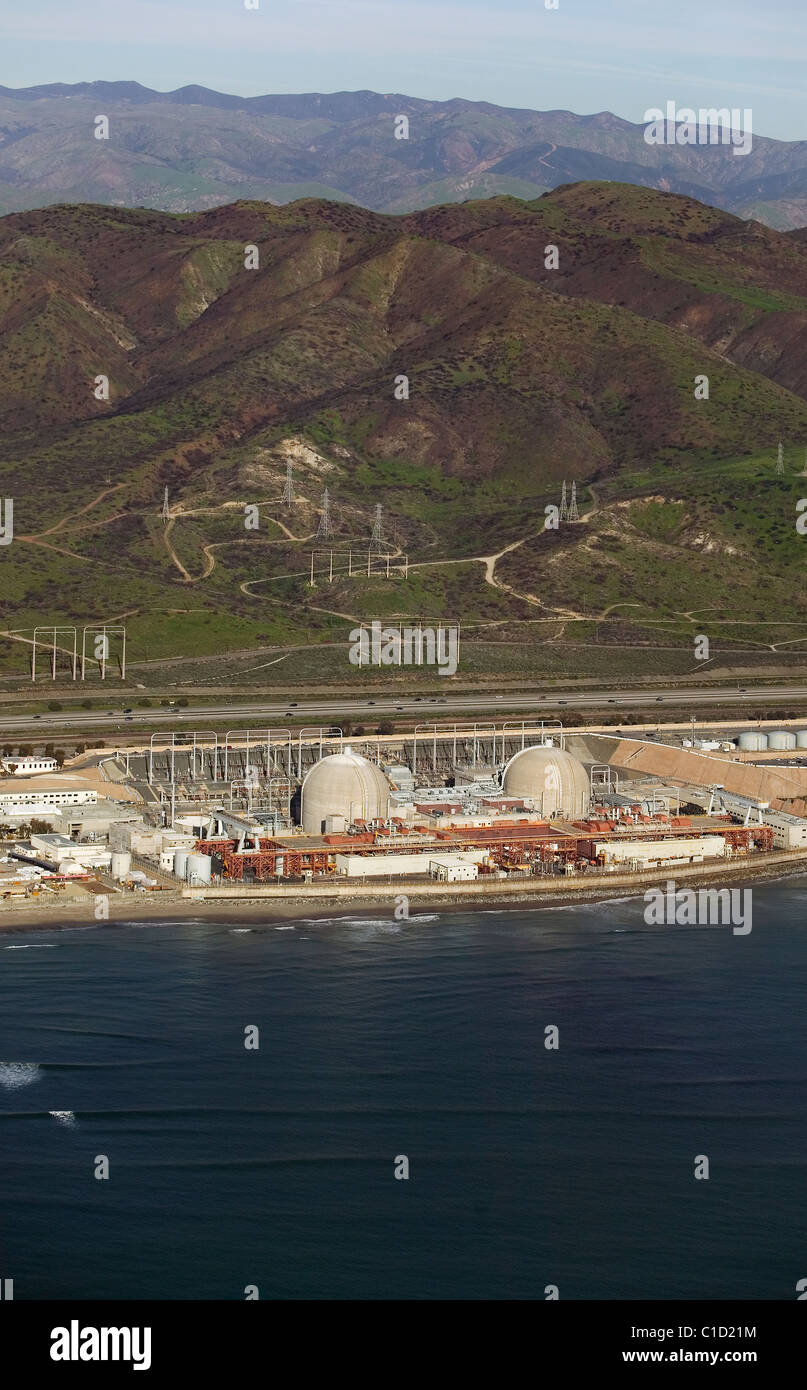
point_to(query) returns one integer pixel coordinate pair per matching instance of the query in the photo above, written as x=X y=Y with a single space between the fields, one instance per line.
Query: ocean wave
x=33 y=946
x=15 y=1075
x=65 y=1117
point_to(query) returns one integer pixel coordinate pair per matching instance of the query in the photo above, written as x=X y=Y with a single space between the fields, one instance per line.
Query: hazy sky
x=588 y=55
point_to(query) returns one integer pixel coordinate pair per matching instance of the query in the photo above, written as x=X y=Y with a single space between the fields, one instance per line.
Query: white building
x=24 y=767
x=789 y=832
x=649 y=854
x=45 y=794
x=453 y=868
x=64 y=854
x=401 y=865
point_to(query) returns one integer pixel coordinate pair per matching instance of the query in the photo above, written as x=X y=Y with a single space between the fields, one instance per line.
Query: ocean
x=274 y=1168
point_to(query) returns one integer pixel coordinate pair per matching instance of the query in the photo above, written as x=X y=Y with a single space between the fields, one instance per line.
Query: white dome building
x=343 y=784
x=551 y=780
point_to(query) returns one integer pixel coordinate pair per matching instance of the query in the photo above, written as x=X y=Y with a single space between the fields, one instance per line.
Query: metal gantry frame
x=101 y=629
x=327 y=732
x=56 y=629
x=200 y=733
x=257 y=737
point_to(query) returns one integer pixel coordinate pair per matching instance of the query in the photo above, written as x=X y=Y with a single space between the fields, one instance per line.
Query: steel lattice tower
x=324 y=529
x=288 y=491
x=780 y=459
x=564 y=509
x=574 y=514
x=166 y=512
x=377 y=538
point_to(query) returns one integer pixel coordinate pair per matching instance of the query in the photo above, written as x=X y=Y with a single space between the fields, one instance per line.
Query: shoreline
x=305 y=905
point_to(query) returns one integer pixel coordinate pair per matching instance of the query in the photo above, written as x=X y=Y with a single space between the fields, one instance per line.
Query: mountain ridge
x=193 y=148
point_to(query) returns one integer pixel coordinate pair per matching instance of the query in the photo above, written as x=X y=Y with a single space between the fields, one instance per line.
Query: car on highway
x=659 y=697
x=294 y=704
x=128 y=711
x=371 y=702
x=563 y=702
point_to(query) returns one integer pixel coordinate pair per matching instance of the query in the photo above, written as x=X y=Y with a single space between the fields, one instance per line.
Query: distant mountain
x=518 y=377
x=194 y=149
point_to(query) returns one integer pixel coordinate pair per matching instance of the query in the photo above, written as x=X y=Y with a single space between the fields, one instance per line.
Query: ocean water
x=527 y=1167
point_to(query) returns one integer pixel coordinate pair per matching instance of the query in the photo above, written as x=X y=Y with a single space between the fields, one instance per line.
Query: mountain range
x=194 y=149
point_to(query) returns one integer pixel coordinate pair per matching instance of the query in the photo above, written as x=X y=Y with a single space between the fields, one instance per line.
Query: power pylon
x=780 y=459
x=324 y=529
x=574 y=514
x=166 y=511
x=564 y=508
x=377 y=538
x=288 y=491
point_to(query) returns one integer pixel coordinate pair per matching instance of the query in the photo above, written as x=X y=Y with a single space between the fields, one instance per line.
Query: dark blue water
x=528 y=1167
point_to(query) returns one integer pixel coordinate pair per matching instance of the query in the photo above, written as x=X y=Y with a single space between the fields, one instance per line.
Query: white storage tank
x=753 y=741
x=181 y=862
x=782 y=738
x=199 y=868
x=121 y=863
x=801 y=738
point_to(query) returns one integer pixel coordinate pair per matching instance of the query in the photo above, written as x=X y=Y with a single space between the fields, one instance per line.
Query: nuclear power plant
x=454 y=805
x=487 y=803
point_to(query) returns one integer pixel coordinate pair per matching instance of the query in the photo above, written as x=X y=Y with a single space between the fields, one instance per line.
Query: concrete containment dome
x=343 y=784
x=550 y=778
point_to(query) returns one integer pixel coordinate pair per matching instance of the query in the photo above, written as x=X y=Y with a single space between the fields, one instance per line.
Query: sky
x=585 y=56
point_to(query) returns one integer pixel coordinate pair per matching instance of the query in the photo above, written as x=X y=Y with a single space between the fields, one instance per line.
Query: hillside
x=195 y=149
x=519 y=377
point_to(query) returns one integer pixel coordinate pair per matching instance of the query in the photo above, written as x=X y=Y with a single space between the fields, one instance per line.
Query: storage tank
x=753 y=741
x=199 y=868
x=181 y=862
x=781 y=738
x=121 y=863
x=801 y=738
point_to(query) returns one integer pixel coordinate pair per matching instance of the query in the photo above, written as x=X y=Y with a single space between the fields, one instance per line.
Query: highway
x=489 y=706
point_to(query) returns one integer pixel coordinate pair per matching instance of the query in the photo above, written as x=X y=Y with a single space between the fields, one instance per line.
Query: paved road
x=480 y=706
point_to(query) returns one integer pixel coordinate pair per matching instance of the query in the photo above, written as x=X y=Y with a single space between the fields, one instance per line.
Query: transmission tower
x=780 y=459
x=574 y=514
x=288 y=491
x=564 y=509
x=377 y=538
x=324 y=529
x=166 y=511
